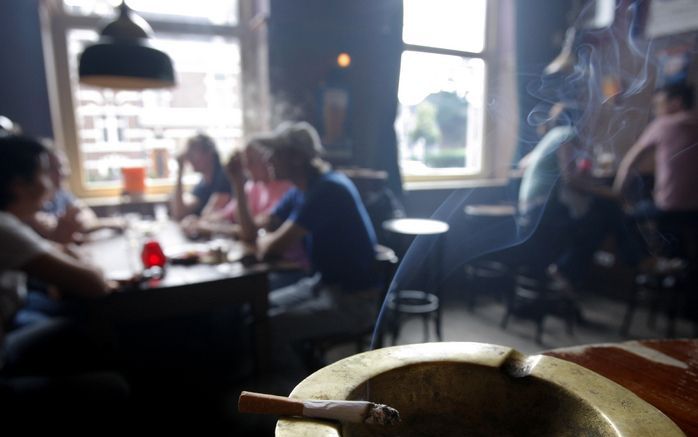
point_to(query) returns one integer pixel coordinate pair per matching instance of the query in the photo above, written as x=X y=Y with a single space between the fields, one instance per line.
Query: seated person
x=564 y=214
x=25 y=183
x=51 y=347
x=673 y=138
x=64 y=218
x=212 y=192
x=249 y=169
x=324 y=209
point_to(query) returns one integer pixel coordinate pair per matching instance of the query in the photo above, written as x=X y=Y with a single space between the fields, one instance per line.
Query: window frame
x=451 y=176
x=56 y=23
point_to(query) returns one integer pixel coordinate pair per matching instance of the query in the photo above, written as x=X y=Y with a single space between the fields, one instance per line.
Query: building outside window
x=113 y=129
x=442 y=89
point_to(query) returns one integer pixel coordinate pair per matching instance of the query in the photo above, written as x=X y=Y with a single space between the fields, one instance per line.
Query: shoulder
x=19 y=240
x=11 y=225
x=293 y=195
x=563 y=134
x=334 y=181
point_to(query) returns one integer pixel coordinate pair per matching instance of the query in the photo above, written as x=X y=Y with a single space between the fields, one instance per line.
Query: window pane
x=440 y=119
x=126 y=128
x=446 y=24
x=212 y=11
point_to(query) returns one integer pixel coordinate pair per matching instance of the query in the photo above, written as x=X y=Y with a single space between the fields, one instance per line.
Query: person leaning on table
x=213 y=190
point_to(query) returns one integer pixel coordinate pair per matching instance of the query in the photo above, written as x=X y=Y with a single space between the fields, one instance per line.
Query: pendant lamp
x=124 y=59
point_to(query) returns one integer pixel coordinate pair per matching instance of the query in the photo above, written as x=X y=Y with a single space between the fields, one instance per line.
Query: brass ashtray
x=476 y=389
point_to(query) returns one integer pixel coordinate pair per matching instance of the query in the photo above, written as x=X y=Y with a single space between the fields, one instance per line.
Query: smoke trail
x=612 y=68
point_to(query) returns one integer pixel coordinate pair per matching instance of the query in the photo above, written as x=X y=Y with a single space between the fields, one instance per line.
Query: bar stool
x=409 y=303
x=487 y=276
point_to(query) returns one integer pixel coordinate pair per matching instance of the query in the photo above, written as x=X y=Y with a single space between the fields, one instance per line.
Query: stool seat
x=410 y=303
x=414 y=302
x=412 y=226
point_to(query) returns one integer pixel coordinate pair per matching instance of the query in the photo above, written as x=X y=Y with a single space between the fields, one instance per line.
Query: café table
x=661 y=372
x=183 y=290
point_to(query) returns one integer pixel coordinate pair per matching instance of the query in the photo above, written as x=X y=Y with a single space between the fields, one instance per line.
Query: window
x=442 y=89
x=105 y=130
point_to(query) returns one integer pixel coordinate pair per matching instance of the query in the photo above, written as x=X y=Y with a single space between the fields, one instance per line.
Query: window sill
x=147 y=199
x=454 y=184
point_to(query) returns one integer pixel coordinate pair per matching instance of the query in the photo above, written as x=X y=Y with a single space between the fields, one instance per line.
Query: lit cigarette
x=343 y=411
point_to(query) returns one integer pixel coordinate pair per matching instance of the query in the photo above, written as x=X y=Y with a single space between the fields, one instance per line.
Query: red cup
x=152 y=255
x=133 y=180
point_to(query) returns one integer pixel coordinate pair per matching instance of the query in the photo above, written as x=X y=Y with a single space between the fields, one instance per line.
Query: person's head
x=672 y=98
x=257 y=161
x=295 y=151
x=25 y=181
x=59 y=170
x=202 y=153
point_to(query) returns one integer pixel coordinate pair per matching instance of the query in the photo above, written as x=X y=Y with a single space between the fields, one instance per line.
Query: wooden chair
x=534 y=297
x=486 y=278
x=669 y=287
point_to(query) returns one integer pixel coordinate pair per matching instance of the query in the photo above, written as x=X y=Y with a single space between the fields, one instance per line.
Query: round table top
x=412 y=226
x=661 y=372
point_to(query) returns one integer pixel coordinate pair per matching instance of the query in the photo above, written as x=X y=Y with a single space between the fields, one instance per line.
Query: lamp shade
x=124 y=59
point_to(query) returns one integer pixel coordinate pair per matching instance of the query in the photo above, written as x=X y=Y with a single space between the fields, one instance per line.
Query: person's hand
x=235 y=167
x=190 y=226
x=182 y=159
x=132 y=283
x=67 y=225
x=250 y=254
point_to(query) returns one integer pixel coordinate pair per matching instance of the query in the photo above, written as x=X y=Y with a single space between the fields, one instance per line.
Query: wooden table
x=184 y=290
x=662 y=372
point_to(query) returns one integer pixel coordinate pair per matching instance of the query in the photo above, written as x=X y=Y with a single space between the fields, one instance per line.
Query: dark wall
x=540 y=28
x=305 y=37
x=23 y=92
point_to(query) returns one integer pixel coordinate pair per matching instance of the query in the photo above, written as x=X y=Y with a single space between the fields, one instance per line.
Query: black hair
x=680 y=90
x=19 y=158
x=204 y=142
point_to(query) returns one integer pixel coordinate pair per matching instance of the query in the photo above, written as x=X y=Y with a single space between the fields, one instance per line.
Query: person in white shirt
x=24 y=185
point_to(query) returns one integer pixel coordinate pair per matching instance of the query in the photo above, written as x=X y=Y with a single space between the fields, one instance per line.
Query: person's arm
x=207 y=228
x=89 y=222
x=68 y=274
x=636 y=153
x=277 y=242
x=182 y=207
x=42 y=223
x=248 y=226
x=214 y=204
x=60 y=229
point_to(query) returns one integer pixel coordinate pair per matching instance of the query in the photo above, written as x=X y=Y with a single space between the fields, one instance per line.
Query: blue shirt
x=60 y=202
x=340 y=237
x=204 y=190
